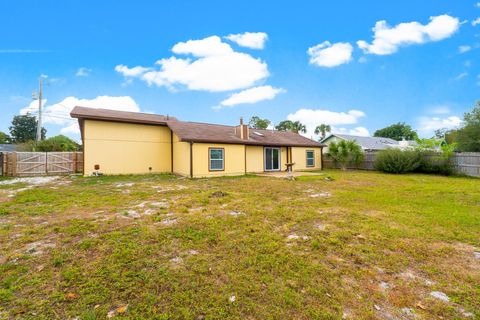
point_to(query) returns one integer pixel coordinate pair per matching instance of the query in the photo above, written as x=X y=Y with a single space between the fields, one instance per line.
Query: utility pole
x=39 y=123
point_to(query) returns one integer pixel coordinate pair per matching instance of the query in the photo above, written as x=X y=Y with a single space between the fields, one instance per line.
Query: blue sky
x=357 y=65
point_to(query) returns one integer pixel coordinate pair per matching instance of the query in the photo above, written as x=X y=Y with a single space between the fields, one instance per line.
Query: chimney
x=242 y=130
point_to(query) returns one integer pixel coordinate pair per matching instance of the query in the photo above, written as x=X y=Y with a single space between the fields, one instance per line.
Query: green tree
x=258 y=123
x=284 y=125
x=397 y=131
x=24 y=128
x=468 y=137
x=451 y=136
x=322 y=130
x=5 y=138
x=293 y=126
x=441 y=133
x=58 y=143
x=53 y=144
x=346 y=152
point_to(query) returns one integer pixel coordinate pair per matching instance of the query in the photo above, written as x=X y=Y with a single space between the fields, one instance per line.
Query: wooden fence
x=22 y=164
x=467 y=163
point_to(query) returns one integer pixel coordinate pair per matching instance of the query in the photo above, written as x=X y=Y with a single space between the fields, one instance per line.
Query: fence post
x=74 y=162
x=14 y=164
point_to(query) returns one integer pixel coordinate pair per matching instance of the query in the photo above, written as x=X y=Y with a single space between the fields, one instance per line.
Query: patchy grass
x=358 y=245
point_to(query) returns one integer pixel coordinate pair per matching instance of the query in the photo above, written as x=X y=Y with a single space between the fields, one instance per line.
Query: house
x=8 y=147
x=368 y=143
x=118 y=142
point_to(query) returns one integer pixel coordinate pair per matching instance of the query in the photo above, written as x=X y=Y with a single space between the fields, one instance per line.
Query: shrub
x=398 y=161
x=345 y=153
x=435 y=163
x=56 y=143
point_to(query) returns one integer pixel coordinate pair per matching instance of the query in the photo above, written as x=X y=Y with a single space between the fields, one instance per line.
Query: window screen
x=216 y=159
x=310 y=158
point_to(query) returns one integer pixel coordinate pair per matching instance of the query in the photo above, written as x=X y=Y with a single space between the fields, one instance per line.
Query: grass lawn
x=363 y=246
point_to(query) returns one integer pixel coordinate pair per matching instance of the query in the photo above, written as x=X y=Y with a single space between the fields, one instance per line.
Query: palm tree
x=288 y=125
x=345 y=152
x=323 y=129
x=297 y=127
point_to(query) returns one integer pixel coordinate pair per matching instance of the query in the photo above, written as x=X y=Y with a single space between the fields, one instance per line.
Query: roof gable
x=119 y=116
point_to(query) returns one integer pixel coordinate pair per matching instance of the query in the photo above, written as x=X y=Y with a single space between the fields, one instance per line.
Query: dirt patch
x=317 y=194
x=235 y=213
x=218 y=194
x=31 y=180
x=125 y=184
x=168 y=221
x=161 y=189
x=39 y=247
x=294 y=236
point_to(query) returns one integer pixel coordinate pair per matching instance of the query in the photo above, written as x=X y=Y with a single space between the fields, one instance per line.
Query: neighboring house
x=368 y=143
x=8 y=147
x=117 y=142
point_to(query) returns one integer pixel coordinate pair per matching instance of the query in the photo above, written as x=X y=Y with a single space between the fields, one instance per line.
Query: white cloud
x=476 y=22
x=252 y=95
x=441 y=109
x=215 y=67
x=131 y=72
x=427 y=125
x=357 y=131
x=59 y=113
x=83 y=72
x=72 y=128
x=252 y=40
x=460 y=76
x=387 y=40
x=312 y=118
x=207 y=47
x=330 y=55
x=477 y=4
x=463 y=49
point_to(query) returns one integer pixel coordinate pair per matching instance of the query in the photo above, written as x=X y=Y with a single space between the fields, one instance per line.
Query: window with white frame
x=216 y=159
x=310 y=158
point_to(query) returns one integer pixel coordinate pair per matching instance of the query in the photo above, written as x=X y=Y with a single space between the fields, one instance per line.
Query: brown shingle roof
x=199 y=132
x=119 y=116
x=214 y=133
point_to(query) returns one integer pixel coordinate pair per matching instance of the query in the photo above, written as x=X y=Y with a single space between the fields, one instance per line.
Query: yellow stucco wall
x=254 y=159
x=299 y=157
x=234 y=159
x=181 y=157
x=122 y=148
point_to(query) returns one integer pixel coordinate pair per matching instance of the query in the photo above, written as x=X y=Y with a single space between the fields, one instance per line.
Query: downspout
x=245 y=158
x=82 y=131
x=321 y=158
x=191 y=159
x=171 y=150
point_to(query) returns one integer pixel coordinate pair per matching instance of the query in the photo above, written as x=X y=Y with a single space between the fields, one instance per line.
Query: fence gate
x=40 y=163
x=60 y=162
x=31 y=163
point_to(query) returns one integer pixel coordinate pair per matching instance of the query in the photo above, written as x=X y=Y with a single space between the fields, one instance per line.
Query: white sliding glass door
x=272 y=159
